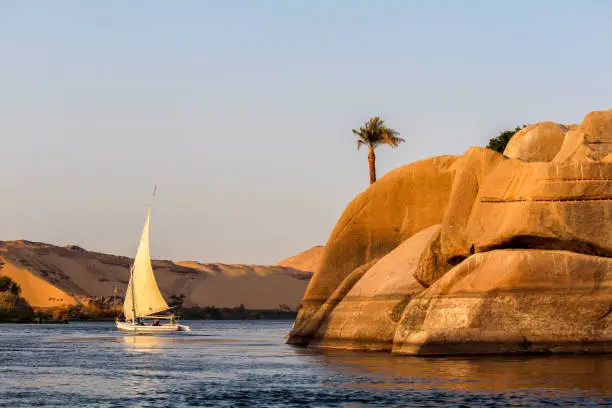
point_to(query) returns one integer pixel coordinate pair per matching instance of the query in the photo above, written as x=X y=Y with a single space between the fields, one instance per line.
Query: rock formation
x=537 y=142
x=376 y=222
x=479 y=253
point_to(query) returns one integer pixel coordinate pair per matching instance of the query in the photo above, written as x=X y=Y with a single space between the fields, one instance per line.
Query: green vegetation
x=95 y=308
x=12 y=307
x=7 y=285
x=16 y=315
x=228 y=313
x=372 y=135
x=499 y=142
x=15 y=309
x=104 y=307
x=234 y=313
x=176 y=300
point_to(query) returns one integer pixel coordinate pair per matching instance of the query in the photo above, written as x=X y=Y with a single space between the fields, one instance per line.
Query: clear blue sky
x=241 y=111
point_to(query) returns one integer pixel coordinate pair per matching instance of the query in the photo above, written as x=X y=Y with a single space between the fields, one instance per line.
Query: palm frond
x=361 y=134
x=390 y=137
x=375 y=133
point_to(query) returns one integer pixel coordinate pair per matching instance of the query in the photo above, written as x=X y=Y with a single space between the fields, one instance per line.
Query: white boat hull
x=140 y=329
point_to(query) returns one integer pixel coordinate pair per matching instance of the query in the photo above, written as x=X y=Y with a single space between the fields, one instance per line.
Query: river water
x=247 y=363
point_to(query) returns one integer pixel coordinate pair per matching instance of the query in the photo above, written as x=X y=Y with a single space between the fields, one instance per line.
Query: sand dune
x=52 y=276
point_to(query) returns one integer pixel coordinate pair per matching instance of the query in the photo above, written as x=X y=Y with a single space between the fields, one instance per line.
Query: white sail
x=143 y=286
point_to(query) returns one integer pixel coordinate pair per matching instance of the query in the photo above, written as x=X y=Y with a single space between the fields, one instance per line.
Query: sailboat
x=144 y=305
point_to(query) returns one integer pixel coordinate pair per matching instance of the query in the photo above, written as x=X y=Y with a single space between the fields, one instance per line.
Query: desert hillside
x=51 y=276
x=305 y=261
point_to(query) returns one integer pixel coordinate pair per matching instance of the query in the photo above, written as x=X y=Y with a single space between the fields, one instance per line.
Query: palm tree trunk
x=372 y=162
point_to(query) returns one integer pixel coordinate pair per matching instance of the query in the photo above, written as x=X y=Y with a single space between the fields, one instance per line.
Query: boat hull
x=139 y=329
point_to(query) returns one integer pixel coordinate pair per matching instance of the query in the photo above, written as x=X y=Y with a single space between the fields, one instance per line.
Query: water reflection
x=144 y=344
x=582 y=375
x=157 y=344
x=248 y=364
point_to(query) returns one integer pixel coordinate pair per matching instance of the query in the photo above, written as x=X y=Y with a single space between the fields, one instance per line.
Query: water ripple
x=233 y=364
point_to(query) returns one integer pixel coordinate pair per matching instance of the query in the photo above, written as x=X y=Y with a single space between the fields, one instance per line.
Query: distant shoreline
x=208 y=313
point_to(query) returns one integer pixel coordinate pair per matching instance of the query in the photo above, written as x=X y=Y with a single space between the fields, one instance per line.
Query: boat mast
x=132 y=269
x=133 y=298
x=153 y=198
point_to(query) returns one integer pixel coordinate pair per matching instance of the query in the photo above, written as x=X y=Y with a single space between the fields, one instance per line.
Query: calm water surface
x=246 y=363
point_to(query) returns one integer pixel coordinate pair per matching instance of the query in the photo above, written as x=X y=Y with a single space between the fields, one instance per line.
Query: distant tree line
x=228 y=313
x=234 y=313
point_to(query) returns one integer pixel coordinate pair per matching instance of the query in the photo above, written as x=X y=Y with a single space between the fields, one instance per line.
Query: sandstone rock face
x=366 y=317
x=521 y=260
x=544 y=205
x=306 y=328
x=539 y=142
x=391 y=210
x=453 y=245
x=513 y=301
x=591 y=141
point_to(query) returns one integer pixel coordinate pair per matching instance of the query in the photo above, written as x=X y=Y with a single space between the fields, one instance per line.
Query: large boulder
x=544 y=205
x=507 y=301
x=451 y=245
x=591 y=141
x=306 y=327
x=539 y=142
x=403 y=202
x=367 y=316
x=514 y=204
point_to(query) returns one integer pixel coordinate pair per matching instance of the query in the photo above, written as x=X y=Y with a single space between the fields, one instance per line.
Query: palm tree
x=373 y=134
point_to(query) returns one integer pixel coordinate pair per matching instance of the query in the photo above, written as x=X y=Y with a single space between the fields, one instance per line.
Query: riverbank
x=195 y=313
